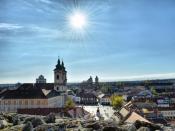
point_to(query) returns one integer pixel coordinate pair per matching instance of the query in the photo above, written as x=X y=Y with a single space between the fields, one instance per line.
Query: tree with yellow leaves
x=117 y=101
x=69 y=103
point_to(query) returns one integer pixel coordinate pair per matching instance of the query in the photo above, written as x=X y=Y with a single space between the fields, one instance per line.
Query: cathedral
x=37 y=95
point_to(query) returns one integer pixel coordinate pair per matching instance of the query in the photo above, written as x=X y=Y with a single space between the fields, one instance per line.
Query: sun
x=78 y=20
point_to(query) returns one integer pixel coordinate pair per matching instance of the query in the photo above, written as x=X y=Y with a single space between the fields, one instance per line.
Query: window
x=57 y=76
x=32 y=102
x=43 y=102
x=38 y=102
x=26 y=102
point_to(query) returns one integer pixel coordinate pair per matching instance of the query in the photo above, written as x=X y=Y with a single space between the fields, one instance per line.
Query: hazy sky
x=124 y=39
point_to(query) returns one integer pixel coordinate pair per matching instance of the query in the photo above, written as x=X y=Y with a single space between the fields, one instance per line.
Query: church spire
x=58 y=66
x=62 y=64
x=58 y=61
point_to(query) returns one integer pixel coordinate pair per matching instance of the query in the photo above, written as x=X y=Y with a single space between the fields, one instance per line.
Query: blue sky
x=124 y=39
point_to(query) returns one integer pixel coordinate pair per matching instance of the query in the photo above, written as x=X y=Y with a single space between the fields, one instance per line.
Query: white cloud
x=141 y=77
x=10 y=31
x=45 y=1
x=40 y=6
x=8 y=26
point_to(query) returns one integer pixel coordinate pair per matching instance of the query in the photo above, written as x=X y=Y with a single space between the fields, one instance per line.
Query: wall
x=11 y=105
x=43 y=111
x=57 y=101
x=168 y=113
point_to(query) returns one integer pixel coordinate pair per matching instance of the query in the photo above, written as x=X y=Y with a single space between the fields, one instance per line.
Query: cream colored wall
x=57 y=101
x=168 y=113
x=62 y=77
x=11 y=105
x=106 y=100
x=60 y=88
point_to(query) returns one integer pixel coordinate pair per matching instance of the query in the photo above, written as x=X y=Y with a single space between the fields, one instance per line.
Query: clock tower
x=60 y=78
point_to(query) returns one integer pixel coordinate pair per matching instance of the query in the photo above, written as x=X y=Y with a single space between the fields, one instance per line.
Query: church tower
x=60 y=78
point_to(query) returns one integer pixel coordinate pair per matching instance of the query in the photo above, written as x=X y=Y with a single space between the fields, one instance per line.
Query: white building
x=168 y=113
x=28 y=96
x=41 y=79
x=104 y=99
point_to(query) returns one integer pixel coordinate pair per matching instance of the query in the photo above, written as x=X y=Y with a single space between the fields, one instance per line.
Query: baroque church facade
x=37 y=95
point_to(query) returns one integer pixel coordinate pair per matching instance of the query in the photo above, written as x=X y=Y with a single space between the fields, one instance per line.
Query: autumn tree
x=117 y=101
x=69 y=103
x=153 y=91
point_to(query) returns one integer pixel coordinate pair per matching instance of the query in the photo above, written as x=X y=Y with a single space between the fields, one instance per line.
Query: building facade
x=86 y=98
x=38 y=95
x=41 y=79
x=104 y=99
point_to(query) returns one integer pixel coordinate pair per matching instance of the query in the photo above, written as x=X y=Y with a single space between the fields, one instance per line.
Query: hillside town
x=149 y=101
x=87 y=65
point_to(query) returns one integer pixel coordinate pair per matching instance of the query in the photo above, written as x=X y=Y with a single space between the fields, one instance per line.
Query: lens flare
x=78 y=20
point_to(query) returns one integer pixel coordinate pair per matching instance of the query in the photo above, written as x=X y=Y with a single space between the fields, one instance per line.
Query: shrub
x=28 y=119
x=44 y=128
x=69 y=103
x=28 y=127
x=16 y=120
x=50 y=118
x=132 y=128
x=138 y=124
x=3 y=124
x=143 y=129
x=9 y=118
x=36 y=122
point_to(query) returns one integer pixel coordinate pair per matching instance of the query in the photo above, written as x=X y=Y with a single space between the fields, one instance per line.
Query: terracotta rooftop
x=134 y=116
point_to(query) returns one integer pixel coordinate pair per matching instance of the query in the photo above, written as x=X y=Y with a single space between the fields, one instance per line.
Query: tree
x=106 y=88
x=117 y=101
x=69 y=103
x=153 y=91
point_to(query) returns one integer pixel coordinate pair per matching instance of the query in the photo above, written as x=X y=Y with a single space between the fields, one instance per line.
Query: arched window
x=57 y=76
